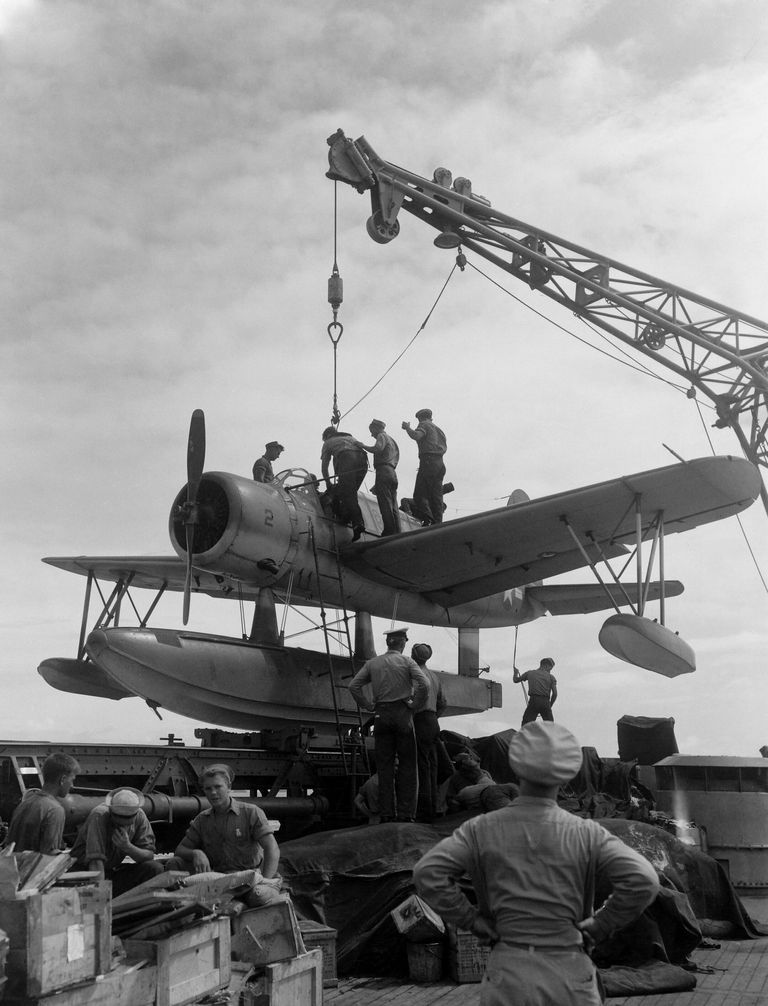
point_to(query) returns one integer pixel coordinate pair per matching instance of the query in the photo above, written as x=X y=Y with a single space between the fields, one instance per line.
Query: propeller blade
x=195 y=453
x=195 y=463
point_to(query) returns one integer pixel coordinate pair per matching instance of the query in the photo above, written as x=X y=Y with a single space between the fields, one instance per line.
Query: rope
x=738 y=518
x=335 y=298
x=408 y=346
x=514 y=661
x=629 y=362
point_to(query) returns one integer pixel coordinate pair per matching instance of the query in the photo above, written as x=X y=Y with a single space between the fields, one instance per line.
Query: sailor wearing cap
x=114 y=830
x=350 y=466
x=229 y=837
x=262 y=469
x=396 y=686
x=542 y=690
x=534 y=868
x=428 y=491
x=426 y=726
x=386 y=455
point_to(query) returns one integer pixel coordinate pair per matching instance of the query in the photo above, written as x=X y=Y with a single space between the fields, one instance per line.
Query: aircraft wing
x=472 y=557
x=153 y=572
x=583 y=598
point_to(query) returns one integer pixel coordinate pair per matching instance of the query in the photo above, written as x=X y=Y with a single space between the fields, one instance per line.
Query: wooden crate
x=415 y=920
x=466 y=957
x=57 y=939
x=190 y=963
x=289 y=983
x=265 y=935
x=316 y=936
x=122 y=987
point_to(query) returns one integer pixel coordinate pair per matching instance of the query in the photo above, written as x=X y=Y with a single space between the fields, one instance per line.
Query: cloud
x=168 y=230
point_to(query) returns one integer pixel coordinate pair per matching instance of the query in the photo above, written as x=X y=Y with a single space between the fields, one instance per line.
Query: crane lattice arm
x=714 y=349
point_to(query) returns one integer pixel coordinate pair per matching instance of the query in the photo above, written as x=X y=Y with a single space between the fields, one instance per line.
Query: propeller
x=195 y=462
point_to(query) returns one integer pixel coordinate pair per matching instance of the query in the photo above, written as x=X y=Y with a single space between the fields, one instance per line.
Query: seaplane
x=280 y=543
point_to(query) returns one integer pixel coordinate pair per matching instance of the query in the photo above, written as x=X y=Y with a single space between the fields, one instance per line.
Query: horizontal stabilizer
x=581 y=598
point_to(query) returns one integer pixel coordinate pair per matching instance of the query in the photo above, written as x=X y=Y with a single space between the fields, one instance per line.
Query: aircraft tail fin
x=518 y=496
x=582 y=598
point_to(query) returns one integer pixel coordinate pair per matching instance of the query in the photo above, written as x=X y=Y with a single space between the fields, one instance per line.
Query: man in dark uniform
x=397 y=686
x=426 y=726
x=350 y=465
x=262 y=469
x=428 y=491
x=386 y=455
x=542 y=690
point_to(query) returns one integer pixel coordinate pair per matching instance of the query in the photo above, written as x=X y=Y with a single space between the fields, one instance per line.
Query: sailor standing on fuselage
x=386 y=455
x=350 y=466
x=428 y=491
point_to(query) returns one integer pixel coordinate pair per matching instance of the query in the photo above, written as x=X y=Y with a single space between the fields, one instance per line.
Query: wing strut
x=643 y=578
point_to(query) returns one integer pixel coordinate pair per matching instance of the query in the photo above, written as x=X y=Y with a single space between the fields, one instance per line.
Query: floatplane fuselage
x=279 y=541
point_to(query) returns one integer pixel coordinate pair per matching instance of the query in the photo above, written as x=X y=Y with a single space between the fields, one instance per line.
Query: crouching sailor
x=115 y=831
x=534 y=868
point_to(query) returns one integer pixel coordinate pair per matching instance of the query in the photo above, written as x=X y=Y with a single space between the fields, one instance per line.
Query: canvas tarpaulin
x=352 y=878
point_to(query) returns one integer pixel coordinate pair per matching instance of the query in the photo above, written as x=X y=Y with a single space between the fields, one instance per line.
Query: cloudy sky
x=168 y=233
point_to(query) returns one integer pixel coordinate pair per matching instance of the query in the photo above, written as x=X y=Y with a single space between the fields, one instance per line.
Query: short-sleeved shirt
x=393 y=677
x=338 y=444
x=533 y=868
x=385 y=451
x=37 y=824
x=94 y=840
x=435 y=700
x=263 y=471
x=430 y=438
x=540 y=683
x=230 y=840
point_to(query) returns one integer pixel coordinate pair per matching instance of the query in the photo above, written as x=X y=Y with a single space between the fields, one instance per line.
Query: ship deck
x=735 y=974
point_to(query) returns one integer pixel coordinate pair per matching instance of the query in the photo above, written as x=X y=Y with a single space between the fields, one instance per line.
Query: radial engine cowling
x=243 y=528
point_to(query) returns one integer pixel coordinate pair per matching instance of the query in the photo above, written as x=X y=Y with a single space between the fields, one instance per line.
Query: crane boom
x=716 y=350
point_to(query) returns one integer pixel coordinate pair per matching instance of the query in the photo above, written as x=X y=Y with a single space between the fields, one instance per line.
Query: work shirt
x=435 y=700
x=534 y=868
x=230 y=840
x=385 y=451
x=393 y=677
x=430 y=438
x=540 y=683
x=339 y=443
x=94 y=839
x=37 y=824
x=263 y=471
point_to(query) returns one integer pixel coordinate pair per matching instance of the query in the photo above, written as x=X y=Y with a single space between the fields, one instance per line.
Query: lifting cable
x=633 y=365
x=460 y=263
x=738 y=517
x=628 y=362
x=335 y=298
x=336 y=329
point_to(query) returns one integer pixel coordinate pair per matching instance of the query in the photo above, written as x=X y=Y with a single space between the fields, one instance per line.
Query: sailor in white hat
x=534 y=868
x=114 y=831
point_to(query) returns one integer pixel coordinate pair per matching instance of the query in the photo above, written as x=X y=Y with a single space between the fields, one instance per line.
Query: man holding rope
x=542 y=690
